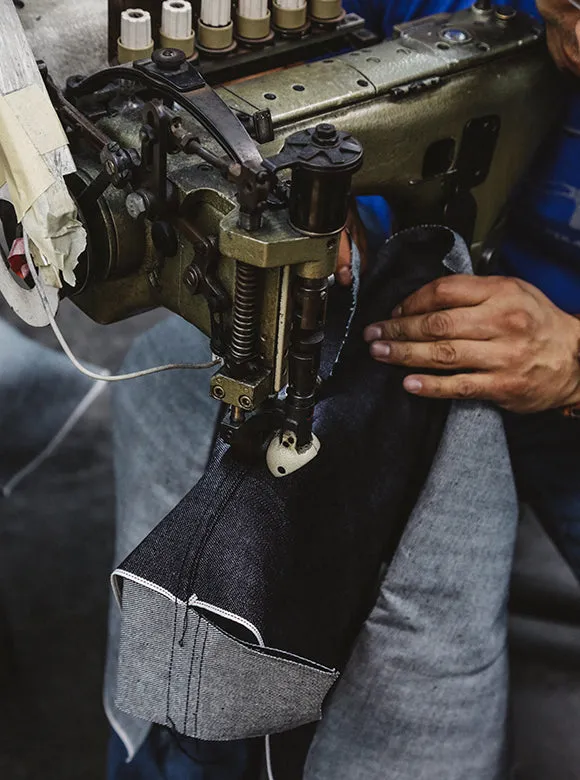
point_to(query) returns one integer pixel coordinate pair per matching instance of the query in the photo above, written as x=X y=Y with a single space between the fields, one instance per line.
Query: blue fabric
x=382 y=15
x=543 y=236
x=40 y=390
x=164 y=756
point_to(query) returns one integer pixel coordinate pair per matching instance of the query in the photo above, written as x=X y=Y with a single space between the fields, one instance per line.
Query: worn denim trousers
x=42 y=396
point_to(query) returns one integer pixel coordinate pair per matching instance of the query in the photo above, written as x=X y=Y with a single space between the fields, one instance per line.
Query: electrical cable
x=39 y=286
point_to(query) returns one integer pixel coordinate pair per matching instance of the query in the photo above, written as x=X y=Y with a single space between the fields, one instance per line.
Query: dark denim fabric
x=545 y=453
x=42 y=395
x=164 y=756
x=299 y=558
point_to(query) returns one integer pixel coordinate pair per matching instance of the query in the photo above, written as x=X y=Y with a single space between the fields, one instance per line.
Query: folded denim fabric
x=241 y=607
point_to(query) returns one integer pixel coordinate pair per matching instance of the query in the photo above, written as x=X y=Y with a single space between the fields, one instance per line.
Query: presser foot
x=284 y=458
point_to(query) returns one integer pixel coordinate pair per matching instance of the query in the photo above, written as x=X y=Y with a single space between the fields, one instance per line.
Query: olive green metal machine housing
x=449 y=112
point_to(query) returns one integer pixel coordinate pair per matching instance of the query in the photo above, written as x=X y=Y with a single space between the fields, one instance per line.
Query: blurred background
x=56 y=541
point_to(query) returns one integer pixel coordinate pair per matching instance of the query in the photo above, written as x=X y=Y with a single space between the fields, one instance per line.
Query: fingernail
x=372 y=333
x=412 y=385
x=380 y=350
x=397 y=311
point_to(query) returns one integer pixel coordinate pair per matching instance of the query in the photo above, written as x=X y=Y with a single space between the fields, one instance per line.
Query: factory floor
x=56 y=536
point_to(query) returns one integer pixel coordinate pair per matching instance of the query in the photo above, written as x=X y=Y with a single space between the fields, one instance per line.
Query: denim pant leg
x=163 y=431
x=545 y=453
x=425 y=693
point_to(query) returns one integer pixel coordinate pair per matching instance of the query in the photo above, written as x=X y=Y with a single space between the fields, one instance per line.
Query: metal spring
x=245 y=314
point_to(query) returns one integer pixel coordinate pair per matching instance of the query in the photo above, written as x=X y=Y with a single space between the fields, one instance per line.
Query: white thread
x=253 y=9
x=136 y=28
x=216 y=13
x=176 y=19
x=56 y=440
x=39 y=285
x=291 y=5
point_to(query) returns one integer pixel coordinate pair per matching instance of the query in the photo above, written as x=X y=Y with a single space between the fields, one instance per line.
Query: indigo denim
x=484 y=641
x=164 y=756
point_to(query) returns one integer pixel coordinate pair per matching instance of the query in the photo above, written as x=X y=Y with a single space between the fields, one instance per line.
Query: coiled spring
x=245 y=314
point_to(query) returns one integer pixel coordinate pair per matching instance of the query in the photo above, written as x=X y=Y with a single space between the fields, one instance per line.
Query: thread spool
x=290 y=16
x=326 y=11
x=216 y=29
x=135 y=42
x=177 y=26
x=253 y=21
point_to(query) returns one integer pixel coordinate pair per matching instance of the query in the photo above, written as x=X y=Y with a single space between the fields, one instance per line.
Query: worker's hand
x=355 y=231
x=501 y=338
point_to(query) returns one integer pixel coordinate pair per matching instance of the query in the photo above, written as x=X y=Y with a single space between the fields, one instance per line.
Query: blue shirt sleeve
x=381 y=15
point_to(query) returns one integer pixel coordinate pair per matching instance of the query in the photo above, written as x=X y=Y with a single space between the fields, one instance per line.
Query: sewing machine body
x=449 y=114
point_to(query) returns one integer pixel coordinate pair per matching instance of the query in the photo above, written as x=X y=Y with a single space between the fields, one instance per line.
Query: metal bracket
x=201 y=278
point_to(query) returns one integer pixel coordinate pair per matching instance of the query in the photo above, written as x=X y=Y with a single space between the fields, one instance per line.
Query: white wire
x=68 y=352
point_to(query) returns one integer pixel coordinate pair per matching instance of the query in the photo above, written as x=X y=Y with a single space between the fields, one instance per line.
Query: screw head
x=325 y=133
x=135 y=204
x=505 y=13
x=218 y=392
x=245 y=401
x=110 y=167
x=169 y=59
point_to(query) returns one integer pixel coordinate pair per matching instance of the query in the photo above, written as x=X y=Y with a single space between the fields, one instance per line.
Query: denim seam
x=190 y=679
x=214 y=518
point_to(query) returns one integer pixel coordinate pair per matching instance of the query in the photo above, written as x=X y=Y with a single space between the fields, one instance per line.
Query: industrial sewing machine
x=225 y=205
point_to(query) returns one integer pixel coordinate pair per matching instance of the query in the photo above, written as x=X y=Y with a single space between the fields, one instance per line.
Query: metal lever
x=180 y=80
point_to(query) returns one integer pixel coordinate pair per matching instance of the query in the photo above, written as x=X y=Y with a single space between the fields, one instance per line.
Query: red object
x=17 y=259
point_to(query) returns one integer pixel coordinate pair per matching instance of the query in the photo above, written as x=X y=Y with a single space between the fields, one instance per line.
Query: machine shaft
x=304 y=358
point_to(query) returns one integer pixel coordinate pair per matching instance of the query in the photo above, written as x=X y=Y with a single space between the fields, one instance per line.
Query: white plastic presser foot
x=284 y=458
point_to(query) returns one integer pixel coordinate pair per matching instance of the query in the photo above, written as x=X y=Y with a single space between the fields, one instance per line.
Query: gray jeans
x=425 y=693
